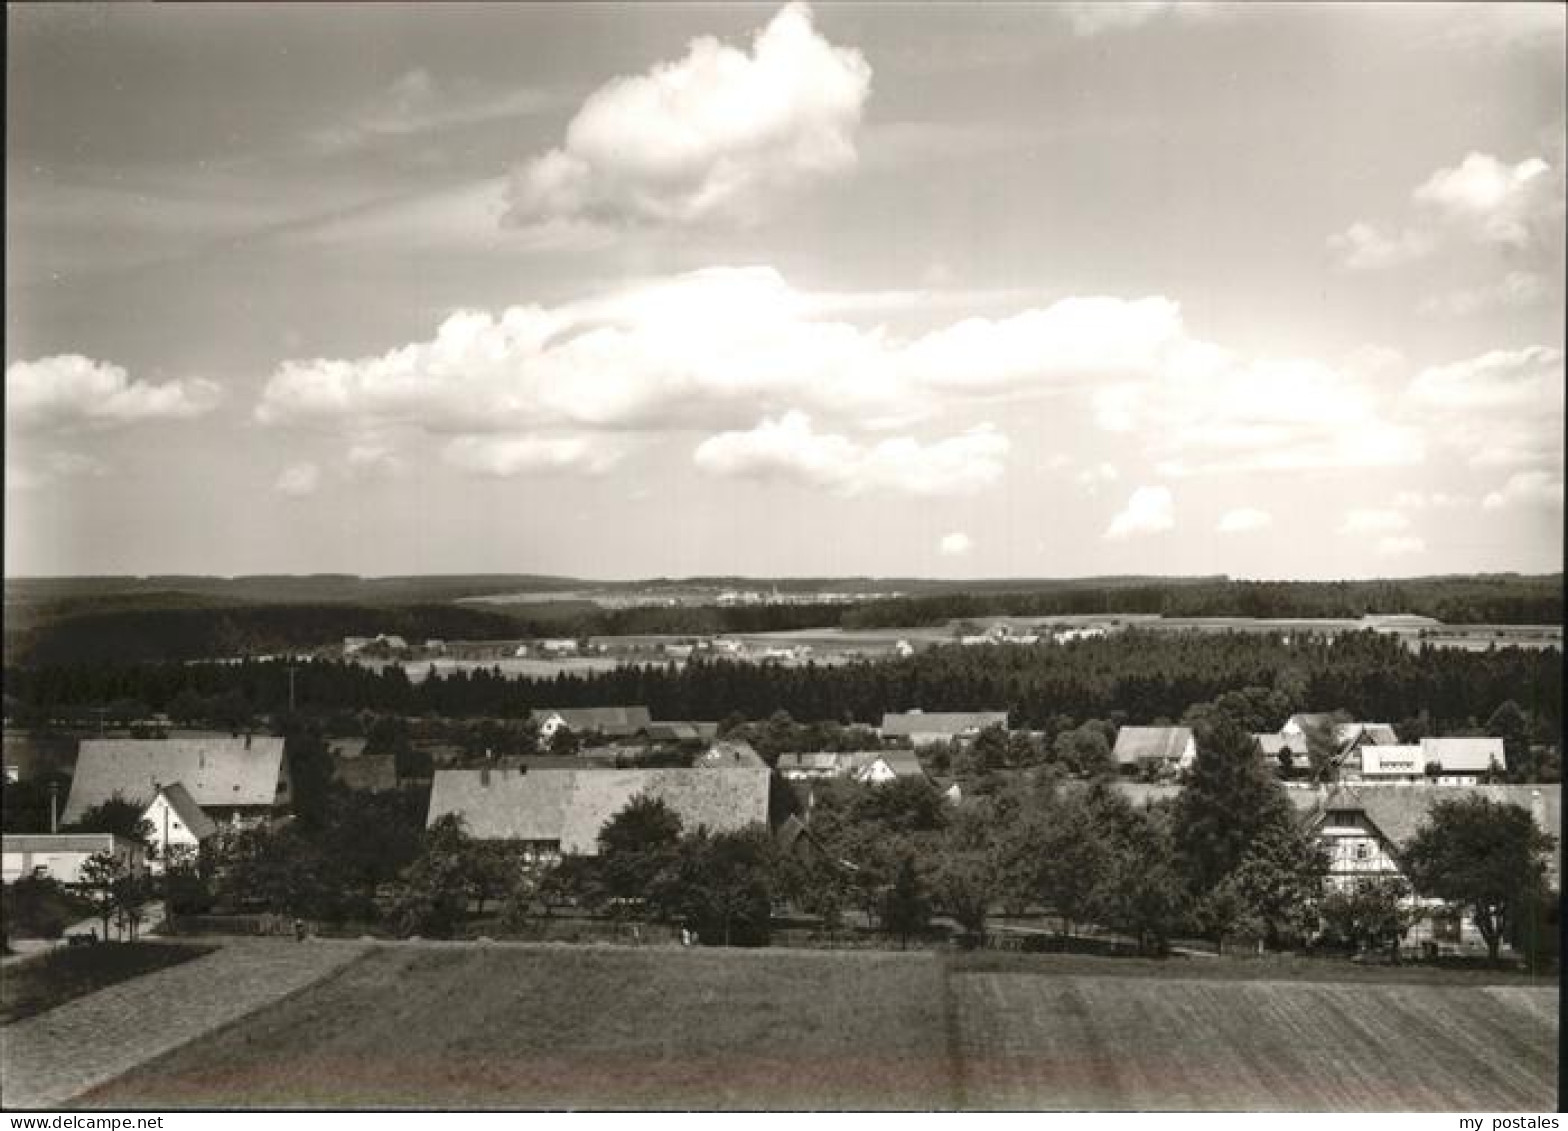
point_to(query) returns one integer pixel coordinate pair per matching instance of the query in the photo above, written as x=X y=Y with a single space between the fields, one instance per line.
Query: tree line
x=1138 y=677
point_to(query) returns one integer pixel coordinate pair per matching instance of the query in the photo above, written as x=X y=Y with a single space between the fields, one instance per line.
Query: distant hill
x=172 y=618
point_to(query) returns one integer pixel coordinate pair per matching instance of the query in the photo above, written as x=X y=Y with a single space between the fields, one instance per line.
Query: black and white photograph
x=808 y=556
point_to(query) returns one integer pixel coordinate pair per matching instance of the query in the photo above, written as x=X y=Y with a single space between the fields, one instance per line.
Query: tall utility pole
x=291 y=688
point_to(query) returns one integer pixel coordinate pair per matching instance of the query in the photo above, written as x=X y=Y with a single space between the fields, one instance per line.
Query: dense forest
x=1132 y=677
x=69 y=622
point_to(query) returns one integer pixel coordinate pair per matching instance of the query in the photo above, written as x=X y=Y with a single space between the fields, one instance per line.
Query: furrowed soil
x=553 y=1027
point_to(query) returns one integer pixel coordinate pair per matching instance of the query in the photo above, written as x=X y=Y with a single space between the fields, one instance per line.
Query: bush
x=39 y=908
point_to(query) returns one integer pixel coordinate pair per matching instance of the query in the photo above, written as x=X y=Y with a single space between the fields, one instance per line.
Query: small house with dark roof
x=924 y=728
x=1138 y=747
x=682 y=731
x=611 y=722
x=871 y=766
x=370 y=773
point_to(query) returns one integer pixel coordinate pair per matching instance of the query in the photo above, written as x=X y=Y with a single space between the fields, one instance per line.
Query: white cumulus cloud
x=1149 y=510
x=718 y=133
x=956 y=544
x=1365 y=247
x=1096 y=17
x=298 y=480
x=1503 y=408
x=1243 y=520
x=1493 y=201
x=719 y=349
x=1400 y=544
x=1515 y=289
x=1370 y=520
x=789 y=448
x=507 y=456
x=1527 y=488
x=1482 y=200
x=36 y=471
x=70 y=392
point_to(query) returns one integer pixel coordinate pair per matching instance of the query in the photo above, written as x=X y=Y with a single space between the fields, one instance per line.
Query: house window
x=1363 y=852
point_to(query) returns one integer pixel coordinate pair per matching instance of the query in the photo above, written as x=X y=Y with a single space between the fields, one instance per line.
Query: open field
x=41 y=983
x=1029 y=1041
x=554 y=1027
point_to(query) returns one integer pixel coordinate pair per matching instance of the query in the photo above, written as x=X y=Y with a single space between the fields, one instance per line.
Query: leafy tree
x=1281 y=879
x=280 y=869
x=434 y=897
x=492 y=870
x=1485 y=856
x=39 y=907
x=129 y=892
x=24 y=805
x=372 y=838
x=965 y=886
x=725 y=884
x=310 y=769
x=906 y=908
x=1371 y=913
x=1142 y=891
x=817 y=886
x=1073 y=857
x=1085 y=750
x=185 y=883
x=102 y=878
x=637 y=849
x=564 y=742
x=991 y=749
x=966 y=880
x=1323 y=744
x=1229 y=800
x=1221 y=912
x=117 y=816
x=1256 y=710
x=903 y=805
x=1512 y=724
x=526 y=882
x=388 y=734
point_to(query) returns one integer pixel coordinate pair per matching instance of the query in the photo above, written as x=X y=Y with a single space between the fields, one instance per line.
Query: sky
x=619 y=291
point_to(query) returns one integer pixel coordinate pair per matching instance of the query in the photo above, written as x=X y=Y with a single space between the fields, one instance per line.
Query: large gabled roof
x=1151 y=744
x=1397 y=811
x=571 y=806
x=218 y=772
